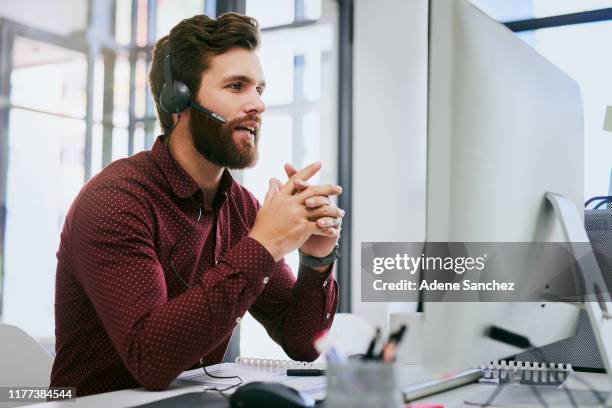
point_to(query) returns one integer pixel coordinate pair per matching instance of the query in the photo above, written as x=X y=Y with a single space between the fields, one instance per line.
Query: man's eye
x=259 y=90
x=236 y=86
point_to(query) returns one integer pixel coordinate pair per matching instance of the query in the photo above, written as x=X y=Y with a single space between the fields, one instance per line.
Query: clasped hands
x=298 y=215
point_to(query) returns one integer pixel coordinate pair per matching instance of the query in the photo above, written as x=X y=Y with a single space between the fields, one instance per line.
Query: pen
x=398 y=335
x=305 y=372
x=370 y=353
x=390 y=348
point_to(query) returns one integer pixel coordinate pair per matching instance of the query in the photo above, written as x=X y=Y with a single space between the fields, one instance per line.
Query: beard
x=215 y=141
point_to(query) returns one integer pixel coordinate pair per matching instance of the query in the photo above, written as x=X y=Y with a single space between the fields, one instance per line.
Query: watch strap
x=314 y=262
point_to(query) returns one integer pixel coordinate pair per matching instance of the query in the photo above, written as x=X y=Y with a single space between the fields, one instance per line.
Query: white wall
x=389 y=132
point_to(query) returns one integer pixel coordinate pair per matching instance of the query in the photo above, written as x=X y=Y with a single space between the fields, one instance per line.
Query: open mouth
x=247 y=129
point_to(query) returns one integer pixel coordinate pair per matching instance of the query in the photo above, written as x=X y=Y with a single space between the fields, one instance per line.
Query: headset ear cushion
x=177 y=103
x=182 y=96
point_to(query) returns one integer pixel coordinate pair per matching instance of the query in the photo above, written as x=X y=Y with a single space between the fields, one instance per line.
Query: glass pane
x=64 y=72
x=98 y=89
x=120 y=144
x=312 y=9
x=312 y=76
x=590 y=66
x=277 y=61
x=141 y=23
x=139 y=138
x=123 y=21
x=271 y=12
x=311 y=141
x=141 y=87
x=96 y=149
x=121 y=97
x=277 y=54
x=46 y=171
x=504 y=10
x=171 y=12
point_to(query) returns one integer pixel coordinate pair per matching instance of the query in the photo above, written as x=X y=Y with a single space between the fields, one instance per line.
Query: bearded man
x=162 y=253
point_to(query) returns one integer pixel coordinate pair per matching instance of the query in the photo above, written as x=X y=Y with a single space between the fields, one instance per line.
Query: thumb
x=277 y=183
x=272 y=190
x=274 y=186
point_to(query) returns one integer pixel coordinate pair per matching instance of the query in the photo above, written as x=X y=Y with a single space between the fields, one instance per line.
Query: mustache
x=251 y=117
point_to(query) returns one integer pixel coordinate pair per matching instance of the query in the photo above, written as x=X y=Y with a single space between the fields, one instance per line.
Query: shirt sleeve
x=115 y=261
x=294 y=312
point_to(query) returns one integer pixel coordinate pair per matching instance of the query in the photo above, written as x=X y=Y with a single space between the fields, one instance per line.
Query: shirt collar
x=182 y=184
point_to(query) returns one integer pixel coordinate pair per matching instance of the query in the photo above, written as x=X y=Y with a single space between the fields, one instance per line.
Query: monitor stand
x=597 y=301
x=598 y=306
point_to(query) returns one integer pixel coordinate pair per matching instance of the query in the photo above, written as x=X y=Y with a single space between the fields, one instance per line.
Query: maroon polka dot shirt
x=124 y=317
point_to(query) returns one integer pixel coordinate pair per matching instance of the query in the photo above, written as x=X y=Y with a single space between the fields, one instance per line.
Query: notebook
x=274 y=363
x=256 y=369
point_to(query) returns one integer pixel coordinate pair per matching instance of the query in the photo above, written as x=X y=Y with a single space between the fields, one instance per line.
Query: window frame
x=590 y=16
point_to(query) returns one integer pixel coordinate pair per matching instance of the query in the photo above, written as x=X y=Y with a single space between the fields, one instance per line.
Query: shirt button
x=327 y=316
x=216 y=262
x=266 y=279
x=238 y=319
x=325 y=283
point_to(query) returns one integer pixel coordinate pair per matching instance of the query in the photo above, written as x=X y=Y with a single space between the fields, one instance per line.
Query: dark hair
x=193 y=42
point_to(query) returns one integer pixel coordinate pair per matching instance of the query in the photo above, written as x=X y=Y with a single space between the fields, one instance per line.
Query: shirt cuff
x=311 y=278
x=253 y=260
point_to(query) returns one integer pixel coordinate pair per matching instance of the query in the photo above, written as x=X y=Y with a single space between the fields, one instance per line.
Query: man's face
x=232 y=87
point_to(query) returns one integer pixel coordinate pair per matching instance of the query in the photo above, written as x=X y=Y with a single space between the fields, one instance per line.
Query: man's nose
x=255 y=104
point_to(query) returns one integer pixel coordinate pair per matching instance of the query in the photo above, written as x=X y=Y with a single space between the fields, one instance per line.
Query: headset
x=175 y=97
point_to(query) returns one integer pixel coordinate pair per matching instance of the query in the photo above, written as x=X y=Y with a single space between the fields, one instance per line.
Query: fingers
x=327 y=222
x=278 y=184
x=320 y=190
x=274 y=186
x=304 y=174
x=326 y=211
x=327 y=232
x=300 y=185
x=317 y=201
x=290 y=170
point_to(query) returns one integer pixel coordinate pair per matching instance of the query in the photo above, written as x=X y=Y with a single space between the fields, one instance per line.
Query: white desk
x=129 y=398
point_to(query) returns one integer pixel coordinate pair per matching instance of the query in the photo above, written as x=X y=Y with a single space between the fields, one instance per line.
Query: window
x=46 y=131
x=573 y=49
x=504 y=10
x=95 y=107
x=579 y=50
x=49 y=128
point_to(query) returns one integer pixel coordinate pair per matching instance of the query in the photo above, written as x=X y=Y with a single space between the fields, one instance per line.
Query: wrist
x=269 y=245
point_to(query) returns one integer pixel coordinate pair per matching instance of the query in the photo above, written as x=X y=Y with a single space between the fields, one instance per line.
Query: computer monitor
x=505 y=127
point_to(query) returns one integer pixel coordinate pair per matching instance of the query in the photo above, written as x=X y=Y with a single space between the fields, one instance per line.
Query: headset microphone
x=175 y=97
